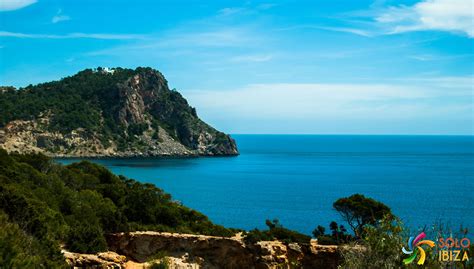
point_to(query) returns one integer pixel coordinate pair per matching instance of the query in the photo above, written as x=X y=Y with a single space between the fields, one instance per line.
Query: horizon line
x=350 y=134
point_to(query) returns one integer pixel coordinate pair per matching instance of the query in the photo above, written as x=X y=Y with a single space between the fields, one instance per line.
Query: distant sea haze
x=295 y=178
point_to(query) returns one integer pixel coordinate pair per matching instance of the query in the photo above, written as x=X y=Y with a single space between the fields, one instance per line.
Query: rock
x=216 y=251
x=148 y=119
x=111 y=260
x=186 y=251
x=220 y=252
x=99 y=260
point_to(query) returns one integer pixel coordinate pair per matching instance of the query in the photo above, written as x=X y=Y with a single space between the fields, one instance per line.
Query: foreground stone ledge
x=139 y=250
x=200 y=251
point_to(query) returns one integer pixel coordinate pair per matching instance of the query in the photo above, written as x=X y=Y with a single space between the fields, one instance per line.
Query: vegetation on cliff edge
x=101 y=103
x=44 y=204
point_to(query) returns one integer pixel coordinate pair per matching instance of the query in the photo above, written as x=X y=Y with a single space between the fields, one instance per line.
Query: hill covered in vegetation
x=106 y=112
x=44 y=204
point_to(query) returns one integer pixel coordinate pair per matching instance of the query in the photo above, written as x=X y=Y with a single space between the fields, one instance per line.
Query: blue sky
x=324 y=67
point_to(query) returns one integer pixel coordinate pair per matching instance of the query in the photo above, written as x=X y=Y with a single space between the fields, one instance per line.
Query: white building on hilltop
x=108 y=70
x=104 y=70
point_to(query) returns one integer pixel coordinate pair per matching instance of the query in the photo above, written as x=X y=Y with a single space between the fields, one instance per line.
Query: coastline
x=296 y=178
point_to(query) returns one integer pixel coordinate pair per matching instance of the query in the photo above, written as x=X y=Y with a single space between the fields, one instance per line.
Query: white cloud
x=350 y=30
x=246 y=10
x=434 y=57
x=59 y=17
x=188 y=42
x=228 y=11
x=266 y=6
x=224 y=37
x=463 y=84
x=255 y=58
x=8 y=5
x=71 y=36
x=339 y=101
x=441 y=15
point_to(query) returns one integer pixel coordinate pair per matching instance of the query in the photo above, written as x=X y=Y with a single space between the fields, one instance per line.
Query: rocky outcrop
x=100 y=260
x=216 y=251
x=32 y=137
x=210 y=252
x=126 y=113
x=112 y=260
x=185 y=251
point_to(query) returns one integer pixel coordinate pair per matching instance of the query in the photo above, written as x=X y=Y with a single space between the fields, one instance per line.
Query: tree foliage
x=358 y=211
x=337 y=236
x=47 y=204
x=18 y=249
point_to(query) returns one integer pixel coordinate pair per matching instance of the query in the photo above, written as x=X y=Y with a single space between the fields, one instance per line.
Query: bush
x=256 y=235
x=327 y=240
x=276 y=232
x=379 y=248
x=338 y=234
x=86 y=237
x=137 y=129
x=161 y=265
x=77 y=204
x=20 y=250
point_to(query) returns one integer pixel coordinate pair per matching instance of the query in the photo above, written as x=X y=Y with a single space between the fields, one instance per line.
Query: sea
x=425 y=180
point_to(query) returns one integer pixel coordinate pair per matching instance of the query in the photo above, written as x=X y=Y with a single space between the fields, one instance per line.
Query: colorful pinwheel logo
x=413 y=252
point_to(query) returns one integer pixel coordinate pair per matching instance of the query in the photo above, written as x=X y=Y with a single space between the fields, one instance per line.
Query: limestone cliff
x=140 y=249
x=106 y=113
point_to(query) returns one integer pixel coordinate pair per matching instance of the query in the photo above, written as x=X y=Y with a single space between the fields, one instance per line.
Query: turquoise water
x=296 y=178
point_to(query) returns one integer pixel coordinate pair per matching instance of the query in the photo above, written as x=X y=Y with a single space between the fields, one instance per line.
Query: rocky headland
x=106 y=113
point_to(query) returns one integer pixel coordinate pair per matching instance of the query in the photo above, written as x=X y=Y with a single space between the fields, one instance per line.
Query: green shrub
x=326 y=240
x=85 y=237
x=379 y=248
x=137 y=129
x=256 y=235
x=276 y=232
x=79 y=203
x=160 y=265
x=338 y=234
x=20 y=250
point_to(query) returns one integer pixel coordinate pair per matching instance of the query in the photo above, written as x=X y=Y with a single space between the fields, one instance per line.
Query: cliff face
x=97 y=113
x=139 y=250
